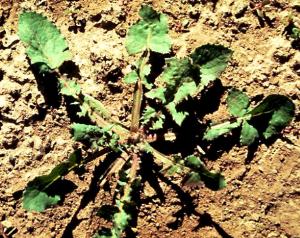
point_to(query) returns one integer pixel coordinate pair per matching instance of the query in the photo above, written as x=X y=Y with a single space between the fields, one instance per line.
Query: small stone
x=170 y=219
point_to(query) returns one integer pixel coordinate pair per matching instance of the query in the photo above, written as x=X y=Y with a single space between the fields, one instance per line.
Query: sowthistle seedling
x=158 y=103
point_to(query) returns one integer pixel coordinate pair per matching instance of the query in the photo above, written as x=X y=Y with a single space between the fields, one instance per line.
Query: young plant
x=158 y=102
x=265 y=120
x=293 y=28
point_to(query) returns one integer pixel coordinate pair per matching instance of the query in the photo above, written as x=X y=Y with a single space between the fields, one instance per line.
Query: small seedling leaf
x=192 y=179
x=193 y=161
x=214 y=181
x=295 y=32
x=237 y=103
x=200 y=173
x=220 y=129
x=149 y=33
x=131 y=77
x=36 y=196
x=69 y=88
x=45 y=43
x=280 y=110
x=248 y=134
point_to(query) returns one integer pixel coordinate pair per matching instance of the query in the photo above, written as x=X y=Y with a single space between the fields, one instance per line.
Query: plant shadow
x=62 y=188
x=47 y=84
x=190 y=133
x=188 y=207
x=92 y=191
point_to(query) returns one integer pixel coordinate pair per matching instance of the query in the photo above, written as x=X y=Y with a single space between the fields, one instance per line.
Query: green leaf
x=157 y=119
x=83 y=132
x=148 y=114
x=185 y=90
x=280 y=110
x=192 y=179
x=237 y=103
x=149 y=33
x=193 y=161
x=96 y=136
x=181 y=77
x=36 y=196
x=296 y=33
x=174 y=169
x=157 y=93
x=214 y=181
x=220 y=129
x=121 y=219
x=248 y=134
x=177 y=82
x=45 y=43
x=131 y=77
x=146 y=70
x=37 y=200
x=69 y=88
x=212 y=59
x=177 y=116
x=159 y=123
x=177 y=72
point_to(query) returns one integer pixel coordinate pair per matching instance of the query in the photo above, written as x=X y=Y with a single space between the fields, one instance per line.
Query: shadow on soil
x=188 y=207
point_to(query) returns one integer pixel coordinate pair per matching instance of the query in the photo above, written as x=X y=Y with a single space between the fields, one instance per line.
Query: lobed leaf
x=178 y=81
x=178 y=116
x=45 y=43
x=96 y=136
x=36 y=197
x=157 y=93
x=149 y=33
x=186 y=77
